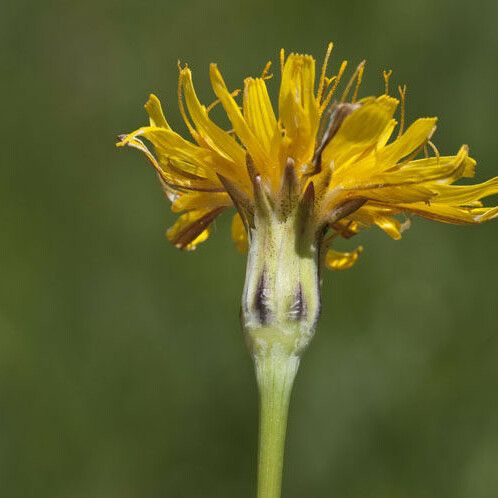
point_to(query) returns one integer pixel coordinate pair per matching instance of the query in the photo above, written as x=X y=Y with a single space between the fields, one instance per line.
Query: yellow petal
x=239 y=124
x=381 y=217
x=414 y=137
x=173 y=173
x=361 y=131
x=298 y=108
x=421 y=180
x=451 y=214
x=155 y=112
x=215 y=137
x=390 y=225
x=391 y=195
x=346 y=228
x=239 y=234
x=192 y=228
x=196 y=160
x=335 y=260
x=445 y=169
x=463 y=195
x=200 y=200
x=448 y=168
x=386 y=133
x=258 y=112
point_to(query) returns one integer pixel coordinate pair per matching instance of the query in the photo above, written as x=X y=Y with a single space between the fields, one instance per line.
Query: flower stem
x=275 y=372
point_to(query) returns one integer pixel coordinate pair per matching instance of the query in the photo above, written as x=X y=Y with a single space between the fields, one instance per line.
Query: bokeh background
x=123 y=373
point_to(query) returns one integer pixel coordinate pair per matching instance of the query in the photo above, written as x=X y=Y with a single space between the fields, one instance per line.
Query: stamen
x=358 y=83
x=319 y=94
x=434 y=149
x=282 y=61
x=328 y=82
x=359 y=68
x=402 y=94
x=217 y=101
x=426 y=151
x=410 y=157
x=212 y=105
x=387 y=76
x=324 y=122
x=337 y=80
x=264 y=74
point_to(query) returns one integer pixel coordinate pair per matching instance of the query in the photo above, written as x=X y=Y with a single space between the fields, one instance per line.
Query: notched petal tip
x=155 y=112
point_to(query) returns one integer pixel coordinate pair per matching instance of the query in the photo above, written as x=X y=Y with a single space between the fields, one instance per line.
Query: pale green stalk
x=275 y=375
x=280 y=307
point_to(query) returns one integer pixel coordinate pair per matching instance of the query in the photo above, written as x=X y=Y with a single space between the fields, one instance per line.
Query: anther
x=387 y=76
x=282 y=60
x=358 y=71
x=266 y=69
x=337 y=80
x=434 y=149
x=217 y=101
x=330 y=46
x=402 y=94
x=358 y=83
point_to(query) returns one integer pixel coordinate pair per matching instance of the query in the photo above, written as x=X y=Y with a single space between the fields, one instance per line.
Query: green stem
x=275 y=374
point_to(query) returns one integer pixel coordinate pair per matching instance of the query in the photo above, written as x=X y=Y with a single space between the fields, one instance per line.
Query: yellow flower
x=325 y=165
x=339 y=150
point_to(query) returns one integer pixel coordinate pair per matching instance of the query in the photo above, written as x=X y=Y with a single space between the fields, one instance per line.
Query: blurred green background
x=123 y=373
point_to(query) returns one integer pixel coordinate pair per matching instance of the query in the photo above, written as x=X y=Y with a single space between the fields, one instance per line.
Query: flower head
x=337 y=153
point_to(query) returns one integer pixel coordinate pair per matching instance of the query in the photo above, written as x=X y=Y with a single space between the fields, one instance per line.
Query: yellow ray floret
x=344 y=155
